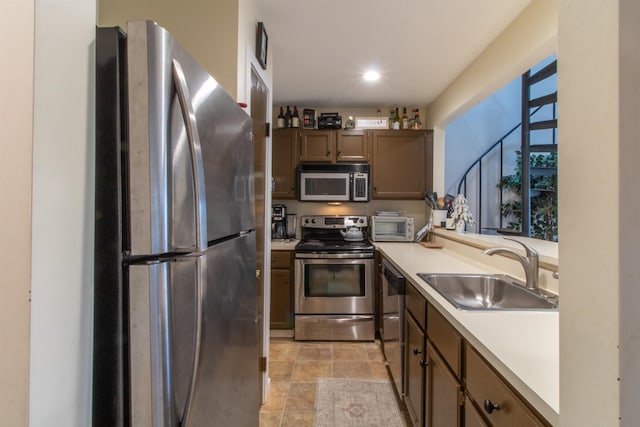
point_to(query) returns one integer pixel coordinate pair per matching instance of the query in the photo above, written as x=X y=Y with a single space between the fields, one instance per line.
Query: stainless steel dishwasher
x=392 y=325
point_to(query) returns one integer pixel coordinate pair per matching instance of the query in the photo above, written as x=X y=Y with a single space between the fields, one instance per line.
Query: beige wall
x=16 y=112
x=598 y=62
x=220 y=34
x=629 y=211
x=207 y=29
x=526 y=41
x=63 y=214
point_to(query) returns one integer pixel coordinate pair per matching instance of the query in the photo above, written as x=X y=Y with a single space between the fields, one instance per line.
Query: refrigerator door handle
x=201 y=274
x=193 y=137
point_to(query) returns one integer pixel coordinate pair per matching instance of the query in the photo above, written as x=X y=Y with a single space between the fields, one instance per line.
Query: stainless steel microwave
x=391 y=229
x=347 y=182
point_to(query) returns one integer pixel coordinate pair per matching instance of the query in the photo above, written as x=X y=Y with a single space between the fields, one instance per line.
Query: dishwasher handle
x=394 y=278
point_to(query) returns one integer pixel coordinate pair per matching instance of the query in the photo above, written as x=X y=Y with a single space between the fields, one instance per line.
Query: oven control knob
x=313 y=220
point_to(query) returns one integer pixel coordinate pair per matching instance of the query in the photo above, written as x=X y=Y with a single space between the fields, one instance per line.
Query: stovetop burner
x=311 y=246
x=326 y=234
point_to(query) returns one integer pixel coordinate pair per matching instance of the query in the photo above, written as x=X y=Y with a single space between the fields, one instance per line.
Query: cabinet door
x=442 y=400
x=284 y=162
x=472 y=417
x=352 y=146
x=281 y=299
x=501 y=405
x=445 y=338
x=402 y=164
x=318 y=146
x=414 y=370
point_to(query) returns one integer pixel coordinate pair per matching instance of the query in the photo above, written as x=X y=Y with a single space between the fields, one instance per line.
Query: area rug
x=356 y=402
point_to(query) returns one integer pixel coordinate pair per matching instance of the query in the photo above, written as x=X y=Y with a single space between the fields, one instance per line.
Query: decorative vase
x=460 y=226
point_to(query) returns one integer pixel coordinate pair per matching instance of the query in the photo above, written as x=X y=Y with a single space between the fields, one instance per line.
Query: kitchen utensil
x=353 y=234
x=431 y=199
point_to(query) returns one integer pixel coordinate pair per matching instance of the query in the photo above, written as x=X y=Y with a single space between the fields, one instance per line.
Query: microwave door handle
x=191 y=126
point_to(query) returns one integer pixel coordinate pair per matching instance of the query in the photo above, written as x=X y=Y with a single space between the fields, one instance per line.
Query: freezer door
x=227 y=380
x=193 y=339
x=190 y=156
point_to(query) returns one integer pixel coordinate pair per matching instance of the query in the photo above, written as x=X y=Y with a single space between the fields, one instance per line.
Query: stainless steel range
x=334 y=283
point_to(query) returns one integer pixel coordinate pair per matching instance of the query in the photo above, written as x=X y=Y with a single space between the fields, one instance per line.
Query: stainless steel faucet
x=529 y=262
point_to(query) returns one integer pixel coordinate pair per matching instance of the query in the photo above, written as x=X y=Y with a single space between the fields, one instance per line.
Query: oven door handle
x=333 y=319
x=302 y=255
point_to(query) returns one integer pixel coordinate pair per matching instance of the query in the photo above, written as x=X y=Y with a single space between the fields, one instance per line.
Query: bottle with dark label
x=412 y=118
x=396 y=120
x=391 y=115
x=416 y=123
x=295 y=119
x=449 y=223
x=280 y=121
x=405 y=119
x=287 y=118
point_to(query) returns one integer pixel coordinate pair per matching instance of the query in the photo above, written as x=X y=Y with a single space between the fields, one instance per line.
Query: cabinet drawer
x=280 y=259
x=443 y=335
x=417 y=305
x=483 y=384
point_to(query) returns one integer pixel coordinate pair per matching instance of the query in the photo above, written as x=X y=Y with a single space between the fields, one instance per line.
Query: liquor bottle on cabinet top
x=405 y=119
x=287 y=118
x=295 y=119
x=391 y=116
x=412 y=118
x=416 y=123
x=396 y=120
x=280 y=121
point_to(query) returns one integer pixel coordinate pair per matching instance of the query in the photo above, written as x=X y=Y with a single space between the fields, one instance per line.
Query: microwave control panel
x=360 y=187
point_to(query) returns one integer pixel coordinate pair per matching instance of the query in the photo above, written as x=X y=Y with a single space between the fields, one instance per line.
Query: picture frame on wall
x=261 y=45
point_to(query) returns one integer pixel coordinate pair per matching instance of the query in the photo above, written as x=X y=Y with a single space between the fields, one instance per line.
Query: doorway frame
x=252 y=65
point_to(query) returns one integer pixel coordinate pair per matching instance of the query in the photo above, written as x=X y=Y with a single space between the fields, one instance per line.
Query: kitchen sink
x=489 y=292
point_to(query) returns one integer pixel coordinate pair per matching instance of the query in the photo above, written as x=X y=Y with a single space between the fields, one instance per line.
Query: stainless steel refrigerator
x=175 y=324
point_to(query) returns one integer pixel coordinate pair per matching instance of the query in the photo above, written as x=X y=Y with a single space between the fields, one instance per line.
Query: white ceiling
x=321 y=48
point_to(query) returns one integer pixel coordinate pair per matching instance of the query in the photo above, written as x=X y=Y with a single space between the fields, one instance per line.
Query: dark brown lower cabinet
x=444 y=393
x=472 y=417
x=281 y=312
x=414 y=370
x=448 y=383
x=500 y=405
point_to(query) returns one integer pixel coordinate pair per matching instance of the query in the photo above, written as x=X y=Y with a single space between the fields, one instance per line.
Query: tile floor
x=295 y=366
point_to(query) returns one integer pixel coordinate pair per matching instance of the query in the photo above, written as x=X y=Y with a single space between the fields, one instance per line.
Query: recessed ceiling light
x=371 y=76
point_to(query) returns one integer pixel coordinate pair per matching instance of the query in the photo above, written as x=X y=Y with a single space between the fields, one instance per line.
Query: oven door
x=334 y=285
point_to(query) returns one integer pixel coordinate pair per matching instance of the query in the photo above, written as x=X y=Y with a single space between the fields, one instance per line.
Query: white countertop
x=522 y=345
x=284 y=245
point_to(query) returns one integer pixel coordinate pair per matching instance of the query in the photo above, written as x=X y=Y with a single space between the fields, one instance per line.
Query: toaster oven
x=391 y=229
